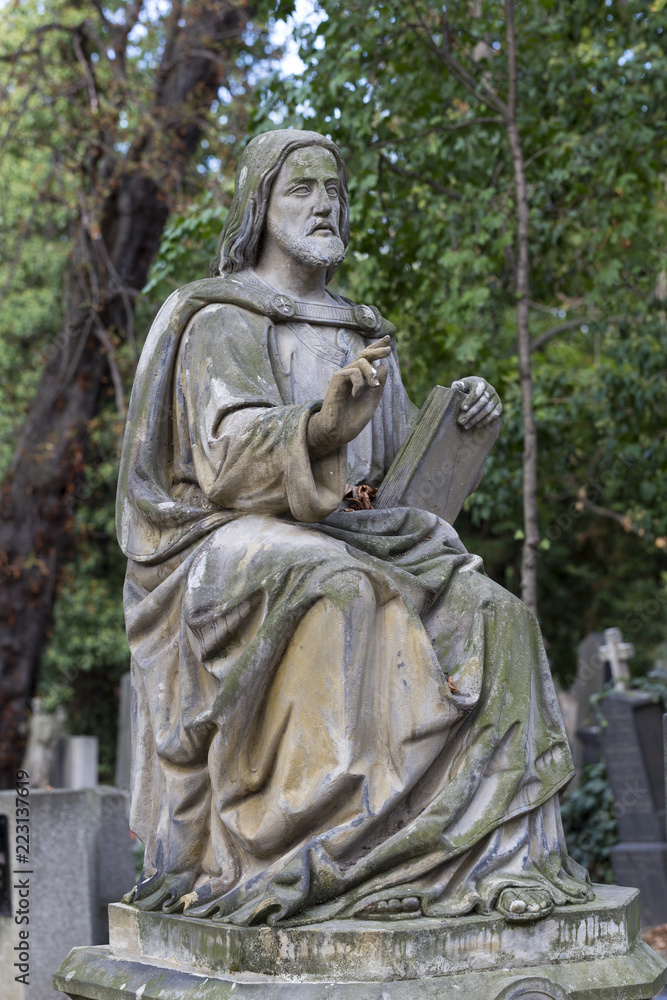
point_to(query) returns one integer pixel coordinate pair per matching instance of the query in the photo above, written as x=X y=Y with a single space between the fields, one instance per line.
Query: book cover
x=440 y=463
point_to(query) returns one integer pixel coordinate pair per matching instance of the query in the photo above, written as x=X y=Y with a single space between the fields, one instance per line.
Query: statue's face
x=304 y=208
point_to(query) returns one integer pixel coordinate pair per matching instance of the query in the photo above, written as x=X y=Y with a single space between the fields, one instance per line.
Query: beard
x=323 y=250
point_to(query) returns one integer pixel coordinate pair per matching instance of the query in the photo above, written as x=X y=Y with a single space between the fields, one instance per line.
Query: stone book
x=440 y=463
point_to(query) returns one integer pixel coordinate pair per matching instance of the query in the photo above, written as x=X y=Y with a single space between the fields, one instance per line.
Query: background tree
x=106 y=110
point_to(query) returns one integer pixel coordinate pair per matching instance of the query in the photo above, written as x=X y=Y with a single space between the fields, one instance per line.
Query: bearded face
x=304 y=209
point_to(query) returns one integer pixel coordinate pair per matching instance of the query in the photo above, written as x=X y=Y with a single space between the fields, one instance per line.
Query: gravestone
x=601 y=657
x=632 y=742
x=592 y=675
x=616 y=653
x=80 y=762
x=81 y=859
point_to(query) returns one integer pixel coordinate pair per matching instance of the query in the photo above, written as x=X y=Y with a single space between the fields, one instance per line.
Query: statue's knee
x=351 y=588
x=506 y=605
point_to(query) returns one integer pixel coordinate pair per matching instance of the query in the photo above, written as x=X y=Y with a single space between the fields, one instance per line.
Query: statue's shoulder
x=238 y=299
x=370 y=319
x=224 y=291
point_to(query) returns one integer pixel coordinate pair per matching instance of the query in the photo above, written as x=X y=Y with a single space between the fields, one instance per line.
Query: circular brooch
x=283 y=304
x=365 y=317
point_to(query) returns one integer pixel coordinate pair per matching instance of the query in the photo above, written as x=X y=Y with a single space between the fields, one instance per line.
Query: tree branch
x=539 y=342
x=101 y=335
x=421 y=133
x=87 y=72
x=478 y=88
x=412 y=175
x=624 y=520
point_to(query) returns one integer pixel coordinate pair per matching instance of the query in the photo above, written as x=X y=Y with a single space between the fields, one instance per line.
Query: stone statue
x=46 y=731
x=335 y=712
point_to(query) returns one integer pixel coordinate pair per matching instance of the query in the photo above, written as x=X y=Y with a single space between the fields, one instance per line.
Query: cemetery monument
x=347 y=748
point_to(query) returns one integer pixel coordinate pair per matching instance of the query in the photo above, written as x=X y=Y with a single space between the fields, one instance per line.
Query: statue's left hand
x=482 y=404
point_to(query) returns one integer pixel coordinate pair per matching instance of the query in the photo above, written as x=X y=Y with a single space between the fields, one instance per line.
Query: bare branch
x=87 y=71
x=109 y=353
x=539 y=342
x=42 y=29
x=624 y=520
x=421 y=133
x=480 y=89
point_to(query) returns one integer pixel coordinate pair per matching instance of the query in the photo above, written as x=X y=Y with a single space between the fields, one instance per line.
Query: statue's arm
x=249 y=451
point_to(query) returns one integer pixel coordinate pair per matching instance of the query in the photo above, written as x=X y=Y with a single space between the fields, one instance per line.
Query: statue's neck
x=293 y=277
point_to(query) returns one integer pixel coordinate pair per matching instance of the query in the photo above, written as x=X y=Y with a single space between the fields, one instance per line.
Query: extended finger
x=379 y=348
x=472 y=419
x=480 y=404
x=374 y=354
x=495 y=413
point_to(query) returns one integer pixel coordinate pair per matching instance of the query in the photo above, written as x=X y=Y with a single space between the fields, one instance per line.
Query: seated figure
x=335 y=712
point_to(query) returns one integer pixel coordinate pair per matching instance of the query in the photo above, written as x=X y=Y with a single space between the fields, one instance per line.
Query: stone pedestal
x=588 y=952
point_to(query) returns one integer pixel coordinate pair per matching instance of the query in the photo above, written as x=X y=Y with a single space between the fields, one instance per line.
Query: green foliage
x=87 y=652
x=83 y=106
x=189 y=243
x=654 y=684
x=589 y=822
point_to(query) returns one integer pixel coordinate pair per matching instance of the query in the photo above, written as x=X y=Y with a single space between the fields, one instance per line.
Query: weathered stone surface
x=368 y=951
x=586 y=952
x=124 y=734
x=440 y=463
x=644 y=865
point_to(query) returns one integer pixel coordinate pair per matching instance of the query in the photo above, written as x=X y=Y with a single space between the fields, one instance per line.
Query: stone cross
x=617 y=653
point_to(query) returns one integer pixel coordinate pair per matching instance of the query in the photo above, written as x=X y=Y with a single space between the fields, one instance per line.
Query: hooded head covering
x=239 y=243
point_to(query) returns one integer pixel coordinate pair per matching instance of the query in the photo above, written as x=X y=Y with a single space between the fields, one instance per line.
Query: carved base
x=591 y=951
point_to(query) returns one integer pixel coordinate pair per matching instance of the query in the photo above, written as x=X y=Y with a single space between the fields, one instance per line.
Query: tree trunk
x=113 y=253
x=530 y=519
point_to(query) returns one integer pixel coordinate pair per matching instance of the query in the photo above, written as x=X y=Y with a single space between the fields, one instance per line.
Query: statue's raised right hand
x=351 y=400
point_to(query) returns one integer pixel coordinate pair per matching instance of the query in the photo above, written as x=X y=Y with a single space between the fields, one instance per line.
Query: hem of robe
x=299 y=866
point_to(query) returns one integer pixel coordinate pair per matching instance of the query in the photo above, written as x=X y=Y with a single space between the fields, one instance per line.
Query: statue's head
x=241 y=239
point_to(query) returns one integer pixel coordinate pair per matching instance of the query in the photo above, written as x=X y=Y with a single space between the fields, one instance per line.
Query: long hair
x=240 y=241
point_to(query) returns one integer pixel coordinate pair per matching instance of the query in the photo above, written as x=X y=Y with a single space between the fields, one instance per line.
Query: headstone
x=81 y=858
x=124 y=738
x=592 y=674
x=80 y=762
x=632 y=742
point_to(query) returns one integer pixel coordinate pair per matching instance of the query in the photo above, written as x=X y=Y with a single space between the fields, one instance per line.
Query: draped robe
x=331 y=708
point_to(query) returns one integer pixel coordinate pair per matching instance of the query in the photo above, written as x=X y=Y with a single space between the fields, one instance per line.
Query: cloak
x=331 y=709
